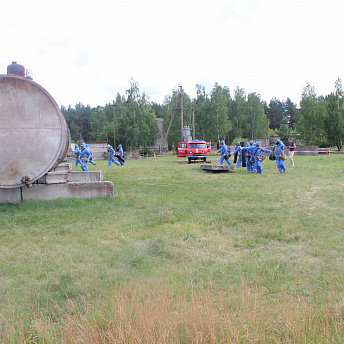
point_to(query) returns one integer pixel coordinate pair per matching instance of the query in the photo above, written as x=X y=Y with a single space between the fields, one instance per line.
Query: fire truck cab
x=194 y=150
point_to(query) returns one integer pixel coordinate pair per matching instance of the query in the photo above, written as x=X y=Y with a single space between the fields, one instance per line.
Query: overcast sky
x=87 y=51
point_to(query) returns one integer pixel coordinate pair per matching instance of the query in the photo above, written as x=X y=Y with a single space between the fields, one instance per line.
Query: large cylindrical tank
x=34 y=136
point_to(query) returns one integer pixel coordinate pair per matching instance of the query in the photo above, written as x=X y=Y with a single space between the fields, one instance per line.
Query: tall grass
x=196 y=314
x=180 y=256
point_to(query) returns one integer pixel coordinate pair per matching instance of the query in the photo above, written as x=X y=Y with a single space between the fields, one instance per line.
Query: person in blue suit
x=85 y=156
x=77 y=155
x=258 y=157
x=238 y=150
x=120 y=156
x=253 y=158
x=91 y=159
x=83 y=146
x=279 y=150
x=246 y=154
x=249 y=150
x=224 y=153
x=120 y=151
x=112 y=155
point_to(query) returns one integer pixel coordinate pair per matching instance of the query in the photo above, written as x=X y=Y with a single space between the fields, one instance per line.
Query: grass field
x=180 y=256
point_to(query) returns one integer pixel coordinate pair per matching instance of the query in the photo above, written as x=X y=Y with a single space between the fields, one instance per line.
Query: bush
x=322 y=143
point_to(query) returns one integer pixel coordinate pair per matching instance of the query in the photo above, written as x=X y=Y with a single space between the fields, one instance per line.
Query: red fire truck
x=194 y=150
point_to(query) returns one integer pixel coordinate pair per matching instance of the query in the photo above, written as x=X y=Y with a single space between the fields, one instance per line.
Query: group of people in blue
x=113 y=154
x=83 y=156
x=251 y=156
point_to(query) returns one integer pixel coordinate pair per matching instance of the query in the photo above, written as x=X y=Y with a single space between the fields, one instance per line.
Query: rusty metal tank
x=34 y=136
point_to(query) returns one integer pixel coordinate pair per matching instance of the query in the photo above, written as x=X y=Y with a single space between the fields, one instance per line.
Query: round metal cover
x=33 y=131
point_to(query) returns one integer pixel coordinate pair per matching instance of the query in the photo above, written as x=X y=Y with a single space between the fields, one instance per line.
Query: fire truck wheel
x=189 y=160
x=205 y=159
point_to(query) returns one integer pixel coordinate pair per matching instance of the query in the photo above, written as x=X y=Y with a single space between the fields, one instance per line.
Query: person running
x=279 y=151
x=224 y=153
x=112 y=154
x=258 y=157
x=292 y=147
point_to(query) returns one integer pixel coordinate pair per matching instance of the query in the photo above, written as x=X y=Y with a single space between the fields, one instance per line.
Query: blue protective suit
x=83 y=146
x=257 y=160
x=91 y=161
x=224 y=151
x=249 y=149
x=112 y=156
x=279 y=149
x=121 y=153
x=85 y=156
x=77 y=155
x=246 y=152
x=238 y=150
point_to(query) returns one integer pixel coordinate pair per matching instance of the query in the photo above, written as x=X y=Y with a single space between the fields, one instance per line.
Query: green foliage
x=275 y=113
x=284 y=132
x=318 y=121
x=257 y=125
x=238 y=113
x=135 y=120
x=201 y=105
x=78 y=120
x=211 y=114
x=290 y=111
x=334 y=122
x=238 y=139
x=310 y=119
x=138 y=123
x=219 y=122
x=248 y=116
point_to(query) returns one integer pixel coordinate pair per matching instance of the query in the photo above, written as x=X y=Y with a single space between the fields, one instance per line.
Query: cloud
x=88 y=50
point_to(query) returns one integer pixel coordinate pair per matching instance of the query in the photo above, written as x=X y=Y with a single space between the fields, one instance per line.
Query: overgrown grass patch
x=180 y=256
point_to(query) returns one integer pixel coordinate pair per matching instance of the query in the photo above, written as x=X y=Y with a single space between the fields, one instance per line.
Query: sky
x=87 y=51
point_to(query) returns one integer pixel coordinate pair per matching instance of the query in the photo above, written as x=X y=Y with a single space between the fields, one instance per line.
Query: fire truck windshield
x=197 y=145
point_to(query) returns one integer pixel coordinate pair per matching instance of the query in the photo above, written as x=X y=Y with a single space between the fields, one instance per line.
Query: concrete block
x=56 y=177
x=91 y=189
x=99 y=155
x=68 y=190
x=83 y=176
x=64 y=168
x=99 y=150
x=12 y=195
x=53 y=178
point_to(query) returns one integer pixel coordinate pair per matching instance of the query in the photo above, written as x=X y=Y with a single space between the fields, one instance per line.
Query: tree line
x=318 y=120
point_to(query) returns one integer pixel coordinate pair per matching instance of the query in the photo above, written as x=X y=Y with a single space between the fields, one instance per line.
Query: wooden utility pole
x=180 y=100
x=181 y=114
x=114 y=125
x=193 y=124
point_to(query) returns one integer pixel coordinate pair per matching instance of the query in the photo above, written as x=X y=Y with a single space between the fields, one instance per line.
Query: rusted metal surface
x=16 y=69
x=34 y=136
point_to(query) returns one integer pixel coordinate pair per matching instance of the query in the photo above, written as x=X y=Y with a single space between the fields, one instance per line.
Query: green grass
x=233 y=257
